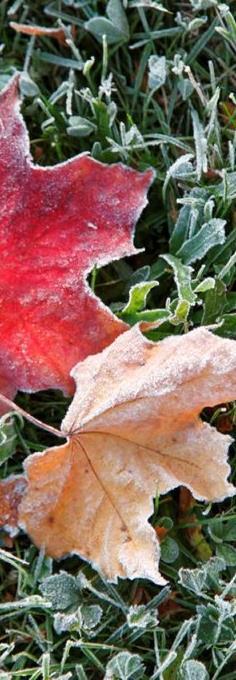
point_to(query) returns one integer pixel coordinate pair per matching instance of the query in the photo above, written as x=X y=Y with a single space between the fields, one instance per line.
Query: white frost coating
x=59 y=222
x=12 y=529
x=159 y=370
x=135 y=413
x=91 y=225
x=135 y=432
x=15 y=114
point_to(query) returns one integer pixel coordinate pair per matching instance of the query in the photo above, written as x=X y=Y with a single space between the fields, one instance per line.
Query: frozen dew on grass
x=148 y=85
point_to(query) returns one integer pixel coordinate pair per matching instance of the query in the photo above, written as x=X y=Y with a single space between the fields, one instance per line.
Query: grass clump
x=145 y=83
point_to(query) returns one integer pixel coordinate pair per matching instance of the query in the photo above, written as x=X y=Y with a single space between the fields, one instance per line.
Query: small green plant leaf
x=149 y=4
x=62 y=590
x=202 y=579
x=182 y=168
x=141 y=617
x=169 y=550
x=216 y=621
x=230 y=531
x=8 y=436
x=181 y=313
x=228 y=326
x=80 y=127
x=115 y=28
x=200 y=145
x=116 y=14
x=137 y=297
x=205 y=285
x=228 y=553
x=214 y=303
x=193 y=580
x=139 y=276
x=193 y=670
x=157 y=72
x=211 y=234
x=100 y=26
x=190 y=218
x=28 y=87
x=124 y=666
x=182 y=277
x=85 y=618
x=134 y=311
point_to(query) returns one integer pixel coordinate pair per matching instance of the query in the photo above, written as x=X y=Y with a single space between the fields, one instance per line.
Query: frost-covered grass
x=158 y=91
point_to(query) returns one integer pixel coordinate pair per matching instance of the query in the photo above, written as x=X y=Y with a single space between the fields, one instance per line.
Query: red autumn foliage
x=56 y=223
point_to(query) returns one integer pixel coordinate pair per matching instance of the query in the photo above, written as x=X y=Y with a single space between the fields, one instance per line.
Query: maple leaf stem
x=35 y=421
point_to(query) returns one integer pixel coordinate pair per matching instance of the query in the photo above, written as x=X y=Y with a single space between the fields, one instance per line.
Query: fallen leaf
x=56 y=223
x=28 y=29
x=11 y=492
x=194 y=534
x=140 y=595
x=6 y=541
x=133 y=431
x=170 y=608
x=161 y=532
x=225 y=423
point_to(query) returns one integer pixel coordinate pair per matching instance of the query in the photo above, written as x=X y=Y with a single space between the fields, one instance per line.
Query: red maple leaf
x=56 y=223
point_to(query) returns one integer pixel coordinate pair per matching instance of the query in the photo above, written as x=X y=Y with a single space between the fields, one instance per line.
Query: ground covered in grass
x=157 y=91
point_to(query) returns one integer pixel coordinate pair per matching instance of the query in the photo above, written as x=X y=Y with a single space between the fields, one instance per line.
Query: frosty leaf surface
x=56 y=224
x=11 y=492
x=133 y=431
x=28 y=29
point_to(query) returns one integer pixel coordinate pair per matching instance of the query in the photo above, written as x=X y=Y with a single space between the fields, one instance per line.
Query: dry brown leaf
x=194 y=534
x=11 y=492
x=170 y=608
x=133 y=431
x=28 y=29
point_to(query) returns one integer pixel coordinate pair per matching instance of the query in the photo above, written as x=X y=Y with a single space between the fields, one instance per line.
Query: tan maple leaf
x=133 y=431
